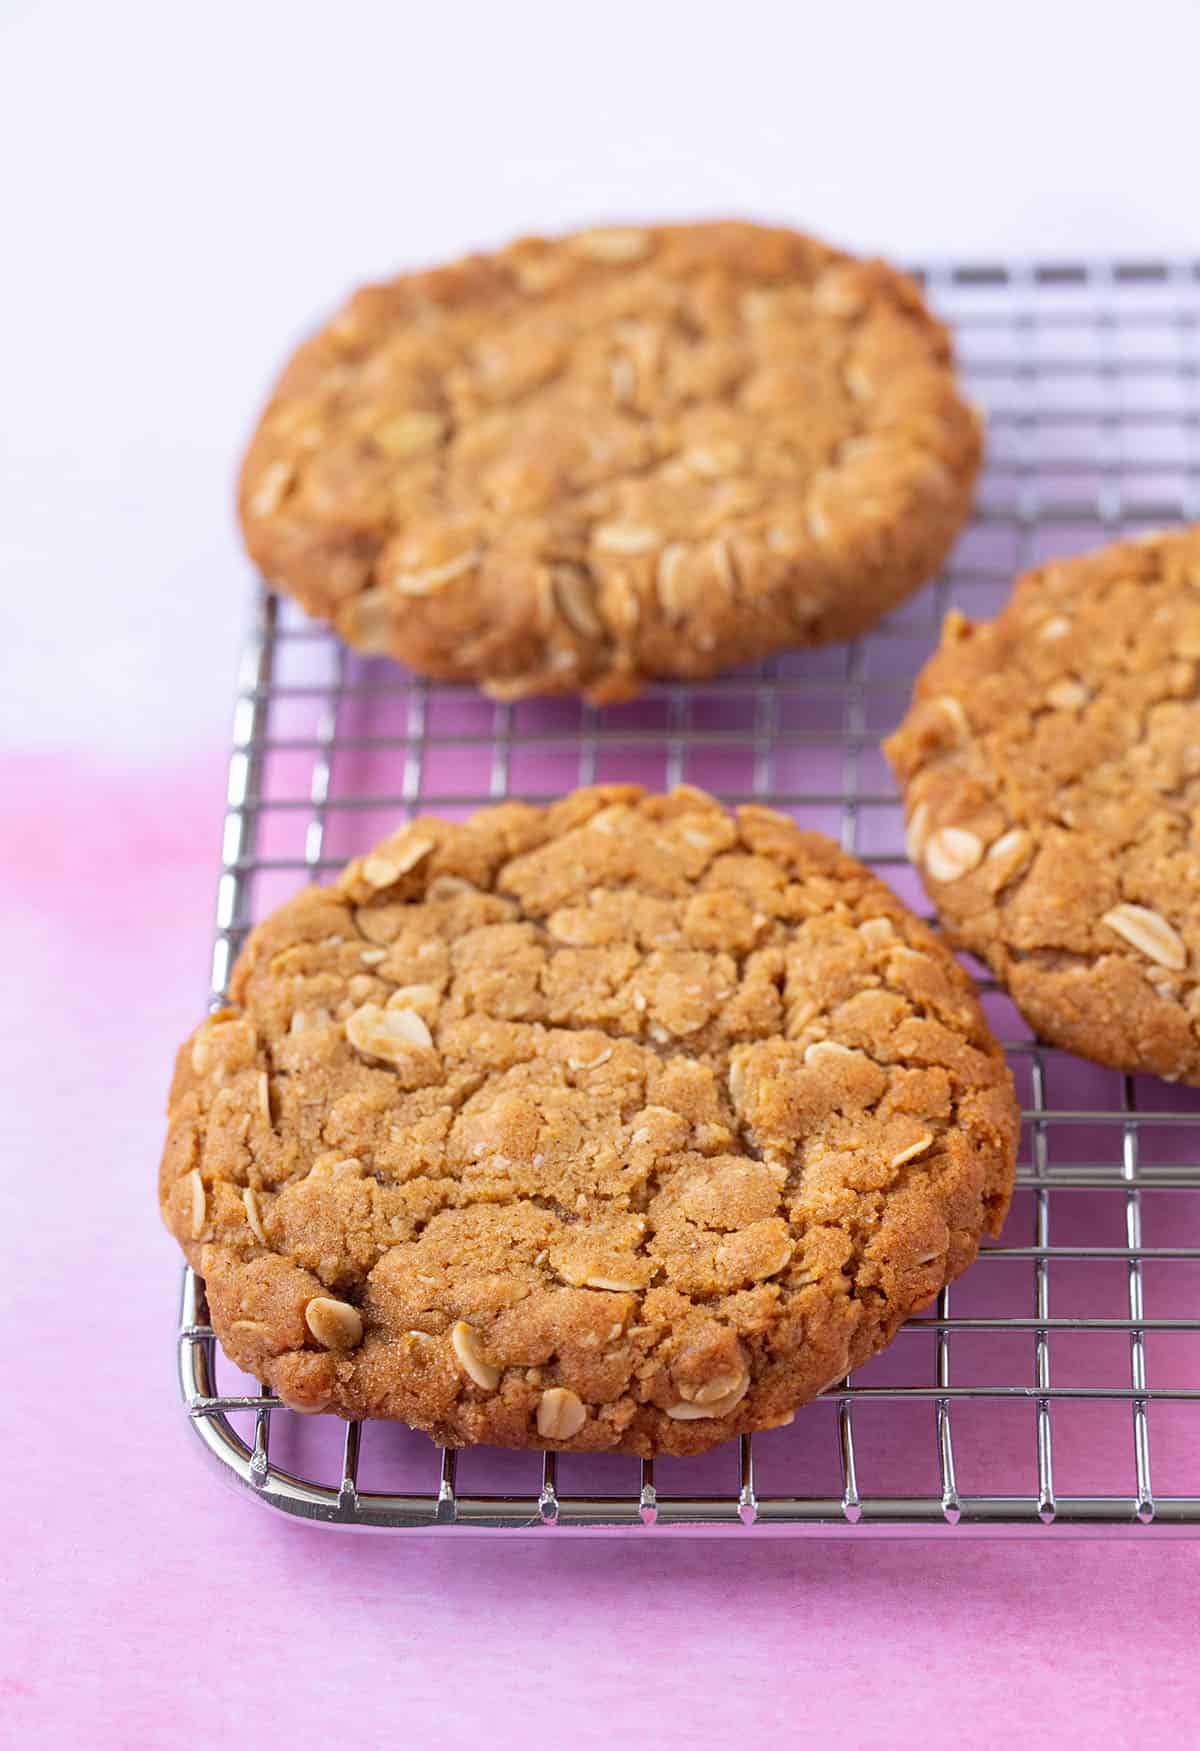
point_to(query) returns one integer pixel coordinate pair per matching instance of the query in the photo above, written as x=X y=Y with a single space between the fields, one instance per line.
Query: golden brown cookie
x=1051 y=773
x=616 y=1124
x=581 y=463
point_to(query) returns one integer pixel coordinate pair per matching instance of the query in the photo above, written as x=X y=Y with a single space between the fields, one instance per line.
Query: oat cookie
x=1051 y=774
x=619 y=1124
x=581 y=463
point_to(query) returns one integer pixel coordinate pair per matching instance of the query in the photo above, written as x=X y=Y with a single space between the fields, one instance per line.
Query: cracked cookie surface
x=1051 y=772
x=580 y=463
x=619 y=1124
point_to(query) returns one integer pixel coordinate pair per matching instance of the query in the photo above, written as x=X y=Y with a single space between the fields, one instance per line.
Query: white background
x=187 y=189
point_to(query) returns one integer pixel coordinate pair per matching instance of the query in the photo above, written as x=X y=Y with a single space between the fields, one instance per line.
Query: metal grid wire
x=1056 y=1386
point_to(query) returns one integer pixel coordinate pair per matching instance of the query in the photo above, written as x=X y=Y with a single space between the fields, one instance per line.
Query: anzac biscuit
x=1051 y=773
x=582 y=463
x=619 y=1124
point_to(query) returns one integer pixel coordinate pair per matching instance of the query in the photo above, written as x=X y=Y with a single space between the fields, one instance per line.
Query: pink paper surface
x=148 y=1606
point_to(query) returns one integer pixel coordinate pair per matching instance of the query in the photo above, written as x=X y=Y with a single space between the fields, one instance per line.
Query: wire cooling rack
x=1057 y=1385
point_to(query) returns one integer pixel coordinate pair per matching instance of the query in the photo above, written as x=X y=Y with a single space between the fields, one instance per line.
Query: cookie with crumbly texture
x=1051 y=773
x=581 y=463
x=619 y=1124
